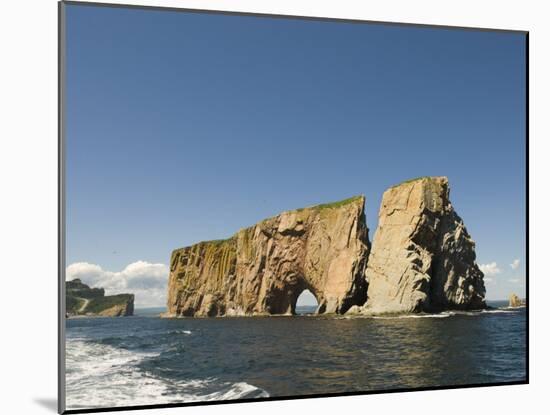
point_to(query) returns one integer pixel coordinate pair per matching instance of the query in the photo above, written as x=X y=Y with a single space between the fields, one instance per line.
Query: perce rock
x=262 y=270
x=422 y=257
x=422 y=260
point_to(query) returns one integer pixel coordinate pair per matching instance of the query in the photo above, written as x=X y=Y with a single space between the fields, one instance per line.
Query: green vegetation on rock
x=332 y=205
x=76 y=288
x=410 y=180
x=83 y=300
x=413 y=180
x=97 y=305
x=246 y=232
x=74 y=304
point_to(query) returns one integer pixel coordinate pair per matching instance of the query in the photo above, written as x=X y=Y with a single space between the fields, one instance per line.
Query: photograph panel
x=259 y=207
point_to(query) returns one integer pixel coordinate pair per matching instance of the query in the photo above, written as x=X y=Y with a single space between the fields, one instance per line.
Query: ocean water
x=144 y=360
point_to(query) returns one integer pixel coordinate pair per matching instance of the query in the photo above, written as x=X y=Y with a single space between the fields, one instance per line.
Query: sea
x=146 y=360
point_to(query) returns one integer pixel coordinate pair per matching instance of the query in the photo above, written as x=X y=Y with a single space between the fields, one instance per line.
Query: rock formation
x=262 y=270
x=515 y=301
x=86 y=301
x=422 y=260
x=422 y=257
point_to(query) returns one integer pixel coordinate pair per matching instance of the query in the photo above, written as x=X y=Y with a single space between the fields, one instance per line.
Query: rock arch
x=263 y=269
x=283 y=301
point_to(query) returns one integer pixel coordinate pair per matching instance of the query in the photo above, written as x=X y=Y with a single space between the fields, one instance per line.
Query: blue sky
x=185 y=127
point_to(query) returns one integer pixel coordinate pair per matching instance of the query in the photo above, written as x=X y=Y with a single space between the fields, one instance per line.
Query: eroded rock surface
x=262 y=270
x=422 y=257
x=422 y=260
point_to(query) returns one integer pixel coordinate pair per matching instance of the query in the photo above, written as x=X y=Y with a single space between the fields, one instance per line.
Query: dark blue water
x=147 y=360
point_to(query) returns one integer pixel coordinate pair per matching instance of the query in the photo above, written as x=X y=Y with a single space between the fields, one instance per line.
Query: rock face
x=262 y=270
x=515 y=301
x=422 y=257
x=86 y=301
x=422 y=260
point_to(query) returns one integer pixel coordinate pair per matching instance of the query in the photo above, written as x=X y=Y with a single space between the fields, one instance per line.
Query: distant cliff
x=422 y=259
x=86 y=301
x=515 y=301
x=263 y=269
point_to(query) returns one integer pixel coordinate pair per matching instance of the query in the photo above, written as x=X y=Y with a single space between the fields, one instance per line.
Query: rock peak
x=422 y=257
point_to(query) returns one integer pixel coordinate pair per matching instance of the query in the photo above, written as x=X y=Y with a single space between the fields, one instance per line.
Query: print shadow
x=48 y=403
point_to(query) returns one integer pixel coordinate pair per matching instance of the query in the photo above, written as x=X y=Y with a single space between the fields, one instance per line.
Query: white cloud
x=515 y=264
x=488 y=279
x=490 y=269
x=147 y=281
x=515 y=280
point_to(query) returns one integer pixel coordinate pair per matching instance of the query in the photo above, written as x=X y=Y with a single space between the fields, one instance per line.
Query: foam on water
x=444 y=314
x=506 y=310
x=519 y=307
x=180 y=332
x=395 y=317
x=439 y=315
x=479 y=312
x=100 y=375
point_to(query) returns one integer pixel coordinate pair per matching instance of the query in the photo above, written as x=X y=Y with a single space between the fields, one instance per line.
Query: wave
x=100 y=375
x=444 y=314
x=180 y=332
x=506 y=310
x=438 y=315
x=480 y=312
x=394 y=317
x=134 y=341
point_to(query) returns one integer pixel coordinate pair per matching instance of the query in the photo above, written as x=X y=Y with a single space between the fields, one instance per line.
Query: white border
x=28 y=215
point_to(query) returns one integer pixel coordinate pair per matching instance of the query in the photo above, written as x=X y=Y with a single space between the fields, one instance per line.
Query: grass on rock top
x=332 y=205
x=323 y=206
x=414 y=180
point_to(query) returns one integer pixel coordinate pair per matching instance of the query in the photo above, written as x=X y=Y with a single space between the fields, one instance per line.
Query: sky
x=183 y=127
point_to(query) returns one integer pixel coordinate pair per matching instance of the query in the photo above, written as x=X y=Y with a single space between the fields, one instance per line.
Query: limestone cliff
x=262 y=270
x=422 y=257
x=86 y=301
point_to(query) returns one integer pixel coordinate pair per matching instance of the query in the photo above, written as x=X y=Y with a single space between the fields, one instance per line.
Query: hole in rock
x=306 y=303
